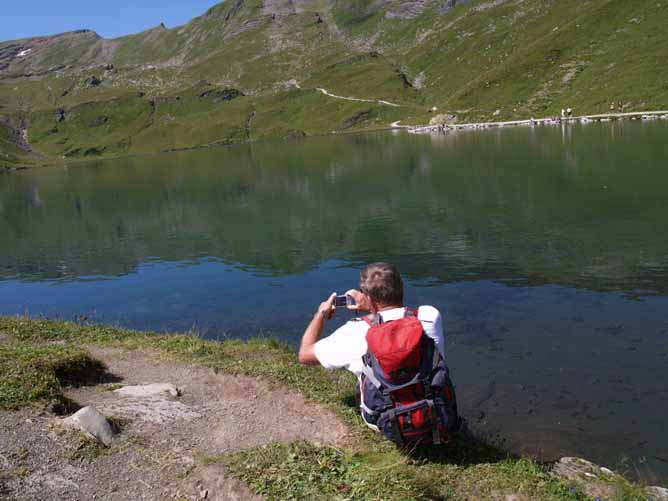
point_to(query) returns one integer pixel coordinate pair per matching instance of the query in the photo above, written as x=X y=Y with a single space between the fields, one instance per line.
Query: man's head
x=382 y=283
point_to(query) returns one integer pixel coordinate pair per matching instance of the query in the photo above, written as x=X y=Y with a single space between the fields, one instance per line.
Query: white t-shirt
x=345 y=348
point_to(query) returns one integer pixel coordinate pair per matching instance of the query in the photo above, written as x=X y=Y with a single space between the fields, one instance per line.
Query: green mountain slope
x=252 y=69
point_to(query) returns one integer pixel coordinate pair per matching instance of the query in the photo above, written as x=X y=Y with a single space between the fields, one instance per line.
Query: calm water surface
x=546 y=249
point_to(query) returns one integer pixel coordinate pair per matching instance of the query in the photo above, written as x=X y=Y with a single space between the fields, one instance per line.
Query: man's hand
x=327 y=308
x=362 y=301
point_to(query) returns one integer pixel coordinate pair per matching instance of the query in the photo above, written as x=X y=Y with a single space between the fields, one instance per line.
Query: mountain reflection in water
x=546 y=248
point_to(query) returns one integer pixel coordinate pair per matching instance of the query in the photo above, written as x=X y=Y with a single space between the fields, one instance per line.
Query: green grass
x=306 y=471
x=302 y=470
x=35 y=372
x=41 y=357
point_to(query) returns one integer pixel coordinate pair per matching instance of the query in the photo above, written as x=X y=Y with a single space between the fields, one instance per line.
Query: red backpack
x=405 y=387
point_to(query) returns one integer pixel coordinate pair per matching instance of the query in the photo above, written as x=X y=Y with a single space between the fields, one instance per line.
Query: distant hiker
x=397 y=354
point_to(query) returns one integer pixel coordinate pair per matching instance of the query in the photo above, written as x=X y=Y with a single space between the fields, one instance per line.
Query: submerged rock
x=89 y=421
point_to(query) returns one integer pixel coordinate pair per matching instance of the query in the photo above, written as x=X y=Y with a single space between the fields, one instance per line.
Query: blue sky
x=110 y=18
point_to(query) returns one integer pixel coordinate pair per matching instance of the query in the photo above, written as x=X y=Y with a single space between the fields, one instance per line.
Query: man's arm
x=314 y=332
x=433 y=326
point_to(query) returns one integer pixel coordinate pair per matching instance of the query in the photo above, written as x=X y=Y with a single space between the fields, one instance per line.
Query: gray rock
x=595 y=481
x=449 y=4
x=657 y=493
x=89 y=421
x=97 y=121
x=149 y=390
x=93 y=81
x=570 y=468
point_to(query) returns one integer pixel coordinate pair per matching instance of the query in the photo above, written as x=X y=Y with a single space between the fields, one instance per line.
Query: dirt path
x=162 y=450
x=379 y=101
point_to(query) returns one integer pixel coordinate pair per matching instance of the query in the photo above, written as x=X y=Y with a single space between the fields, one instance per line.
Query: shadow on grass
x=464 y=449
x=351 y=401
x=85 y=372
x=63 y=406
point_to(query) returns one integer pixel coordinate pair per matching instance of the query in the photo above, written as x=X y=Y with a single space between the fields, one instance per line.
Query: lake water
x=546 y=249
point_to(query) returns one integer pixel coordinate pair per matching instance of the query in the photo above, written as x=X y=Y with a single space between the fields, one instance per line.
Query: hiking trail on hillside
x=379 y=101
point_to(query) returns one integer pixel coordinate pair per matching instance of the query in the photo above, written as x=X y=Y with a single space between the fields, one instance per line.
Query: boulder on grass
x=89 y=421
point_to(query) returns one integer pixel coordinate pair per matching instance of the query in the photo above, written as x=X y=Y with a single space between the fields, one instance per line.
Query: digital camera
x=343 y=301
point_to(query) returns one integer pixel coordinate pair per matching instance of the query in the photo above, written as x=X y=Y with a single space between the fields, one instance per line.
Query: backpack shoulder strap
x=372 y=319
x=411 y=312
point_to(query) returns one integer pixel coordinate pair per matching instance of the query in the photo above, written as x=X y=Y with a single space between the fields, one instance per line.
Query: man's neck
x=390 y=307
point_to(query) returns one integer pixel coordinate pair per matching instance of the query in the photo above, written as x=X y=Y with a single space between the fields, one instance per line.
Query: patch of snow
x=24 y=53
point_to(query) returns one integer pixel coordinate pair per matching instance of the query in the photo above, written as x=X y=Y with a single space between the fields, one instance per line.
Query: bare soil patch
x=167 y=444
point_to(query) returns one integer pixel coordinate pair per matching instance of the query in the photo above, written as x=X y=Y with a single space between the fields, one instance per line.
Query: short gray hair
x=383 y=284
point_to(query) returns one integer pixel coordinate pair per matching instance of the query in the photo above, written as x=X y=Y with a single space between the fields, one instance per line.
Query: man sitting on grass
x=397 y=354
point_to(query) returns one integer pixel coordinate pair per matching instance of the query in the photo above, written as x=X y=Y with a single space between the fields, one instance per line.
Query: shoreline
x=602 y=117
x=394 y=126
x=469 y=468
x=62 y=162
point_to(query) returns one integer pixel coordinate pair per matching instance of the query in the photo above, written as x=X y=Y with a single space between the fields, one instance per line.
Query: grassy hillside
x=81 y=95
